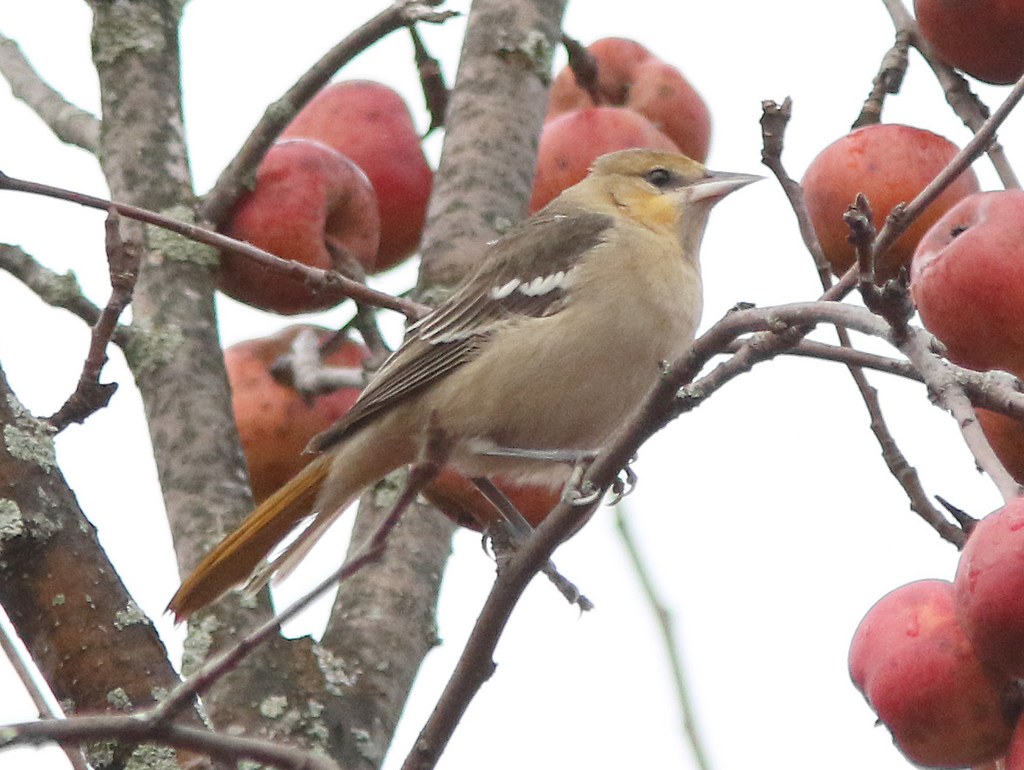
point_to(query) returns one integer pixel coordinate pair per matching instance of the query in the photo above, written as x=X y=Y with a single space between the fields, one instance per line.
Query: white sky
x=767 y=515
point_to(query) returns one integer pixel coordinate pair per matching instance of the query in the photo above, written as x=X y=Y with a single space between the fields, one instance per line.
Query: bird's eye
x=659 y=177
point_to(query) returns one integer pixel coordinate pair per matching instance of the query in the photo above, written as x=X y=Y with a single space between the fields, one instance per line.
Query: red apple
x=989 y=587
x=890 y=163
x=967 y=281
x=371 y=124
x=456 y=497
x=984 y=38
x=918 y=671
x=1006 y=436
x=274 y=422
x=308 y=198
x=571 y=142
x=631 y=76
x=1015 y=755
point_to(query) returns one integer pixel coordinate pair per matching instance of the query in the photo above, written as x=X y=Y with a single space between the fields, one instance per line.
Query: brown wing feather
x=454 y=333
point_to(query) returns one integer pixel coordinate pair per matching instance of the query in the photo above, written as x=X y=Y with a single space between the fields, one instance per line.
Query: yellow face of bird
x=661 y=190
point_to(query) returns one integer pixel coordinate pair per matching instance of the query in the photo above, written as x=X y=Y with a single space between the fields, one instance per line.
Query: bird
x=541 y=354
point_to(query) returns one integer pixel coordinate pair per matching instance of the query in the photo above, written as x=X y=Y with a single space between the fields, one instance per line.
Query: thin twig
x=668 y=636
x=512 y=529
x=421 y=474
x=476 y=663
x=35 y=692
x=773 y=124
x=964 y=102
x=848 y=356
x=130 y=729
x=69 y=123
x=303 y=368
x=585 y=69
x=777 y=328
x=230 y=184
x=942 y=381
x=329 y=282
x=774 y=119
x=766 y=345
x=55 y=289
x=435 y=91
x=91 y=395
x=900 y=219
x=892 y=302
x=887 y=81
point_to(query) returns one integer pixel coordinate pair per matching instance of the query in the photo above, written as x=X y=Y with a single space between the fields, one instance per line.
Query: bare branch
x=90 y=395
x=330 y=281
x=20 y=666
x=773 y=125
x=232 y=181
x=132 y=729
x=898 y=221
x=964 y=102
x=942 y=381
x=69 y=123
x=422 y=473
x=55 y=289
x=774 y=119
x=668 y=635
x=892 y=302
x=847 y=356
x=55 y=576
x=887 y=81
x=435 y=92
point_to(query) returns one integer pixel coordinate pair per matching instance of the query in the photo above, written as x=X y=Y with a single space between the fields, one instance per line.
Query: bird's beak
x=718 y=184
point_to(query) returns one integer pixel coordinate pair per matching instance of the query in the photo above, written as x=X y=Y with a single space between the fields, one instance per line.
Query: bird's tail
x=324 y=488
x=237 y=555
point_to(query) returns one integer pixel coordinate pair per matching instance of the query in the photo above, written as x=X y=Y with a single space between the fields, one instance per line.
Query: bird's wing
x=525 y=274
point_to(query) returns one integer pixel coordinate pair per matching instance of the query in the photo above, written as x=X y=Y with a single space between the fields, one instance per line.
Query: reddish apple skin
x=571 y=142
x=984 y=38
x=1006 y=436
x=306 y=197
x=967 y=280
x=918 y=671
x=890 y=163
x=371 y=124
x=456 y=497
x=1015 y=755
x=989 y=589
x=274 y=423
x=631 y=76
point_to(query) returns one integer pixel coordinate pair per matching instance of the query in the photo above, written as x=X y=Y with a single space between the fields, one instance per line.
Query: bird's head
x=660 y=189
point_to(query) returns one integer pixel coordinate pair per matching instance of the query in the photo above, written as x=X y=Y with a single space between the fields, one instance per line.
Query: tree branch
x=404 y=13
x=90 y=395
x=330 y=282
x=965 y=103
x=55 y=289
x=28 y=681
x=97 y=650
x=667 y=628
x=228 y=748
x=900 y=219
x=69 y=123
x=774 y=122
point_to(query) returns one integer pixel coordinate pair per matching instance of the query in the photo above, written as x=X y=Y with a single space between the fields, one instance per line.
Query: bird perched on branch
x=539 y=357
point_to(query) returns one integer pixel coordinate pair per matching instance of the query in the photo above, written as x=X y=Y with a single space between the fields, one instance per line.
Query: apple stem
x=585 y=69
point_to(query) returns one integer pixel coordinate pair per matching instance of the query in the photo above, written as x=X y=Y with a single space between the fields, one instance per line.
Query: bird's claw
x=623 y=486
x=584 y=494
